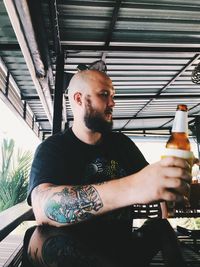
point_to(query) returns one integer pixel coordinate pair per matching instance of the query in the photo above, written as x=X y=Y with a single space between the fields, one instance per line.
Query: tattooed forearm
x=73 y=204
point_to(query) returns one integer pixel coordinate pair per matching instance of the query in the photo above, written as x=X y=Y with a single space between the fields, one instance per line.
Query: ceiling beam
x=131 y=48
x=113 y=22
x=19 y=15
x=37 y=18
x=55 y=26
x=112 y=48
x=144 y=117
x=9 y=47
x=132 y=97
x=111 y=27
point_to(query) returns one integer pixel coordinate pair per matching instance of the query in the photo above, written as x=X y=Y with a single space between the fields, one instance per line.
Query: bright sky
x=12 y=127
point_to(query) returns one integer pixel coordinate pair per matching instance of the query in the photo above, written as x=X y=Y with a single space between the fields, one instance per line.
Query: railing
x=10 y=219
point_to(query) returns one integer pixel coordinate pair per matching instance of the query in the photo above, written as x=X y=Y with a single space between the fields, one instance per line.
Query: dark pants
x=110 y=246
x=156 y=235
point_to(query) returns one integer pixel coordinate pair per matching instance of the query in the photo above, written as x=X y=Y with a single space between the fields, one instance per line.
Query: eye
x=105 y=93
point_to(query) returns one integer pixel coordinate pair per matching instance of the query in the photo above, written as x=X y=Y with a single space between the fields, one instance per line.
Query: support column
x=58 y=94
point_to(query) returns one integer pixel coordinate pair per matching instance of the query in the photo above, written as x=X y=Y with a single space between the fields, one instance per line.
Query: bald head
x=82 y=81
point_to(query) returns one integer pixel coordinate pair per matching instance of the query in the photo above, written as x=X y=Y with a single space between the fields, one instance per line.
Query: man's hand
x=168 y=179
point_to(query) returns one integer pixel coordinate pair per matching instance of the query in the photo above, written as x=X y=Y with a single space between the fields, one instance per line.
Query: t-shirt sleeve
x=45 y=166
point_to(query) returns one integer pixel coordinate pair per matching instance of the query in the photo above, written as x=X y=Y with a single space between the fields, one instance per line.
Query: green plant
x=14 y=172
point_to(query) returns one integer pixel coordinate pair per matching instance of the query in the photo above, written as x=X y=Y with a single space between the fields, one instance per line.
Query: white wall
x=12 y=127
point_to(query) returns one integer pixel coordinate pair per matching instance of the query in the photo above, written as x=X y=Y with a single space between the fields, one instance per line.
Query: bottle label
x=180 y=124
x=185 y=154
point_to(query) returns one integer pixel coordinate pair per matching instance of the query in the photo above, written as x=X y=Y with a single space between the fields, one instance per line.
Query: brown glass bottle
x=179 y=136
x=178 y=145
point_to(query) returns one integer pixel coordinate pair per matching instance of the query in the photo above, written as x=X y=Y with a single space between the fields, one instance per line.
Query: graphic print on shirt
x=101 y=169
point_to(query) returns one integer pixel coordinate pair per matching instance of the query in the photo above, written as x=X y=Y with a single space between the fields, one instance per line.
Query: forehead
x=101 y=82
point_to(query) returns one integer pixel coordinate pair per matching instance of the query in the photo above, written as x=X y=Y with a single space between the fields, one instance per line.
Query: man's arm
x=63 y=205
x=167 y=179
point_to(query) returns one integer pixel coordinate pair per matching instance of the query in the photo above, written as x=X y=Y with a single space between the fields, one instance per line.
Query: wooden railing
x=12 y=217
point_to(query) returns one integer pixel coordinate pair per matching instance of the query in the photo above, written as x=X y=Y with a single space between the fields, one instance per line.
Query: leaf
x=14 y=173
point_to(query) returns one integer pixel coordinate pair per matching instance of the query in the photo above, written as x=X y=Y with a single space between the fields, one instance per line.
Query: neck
x=86 y=135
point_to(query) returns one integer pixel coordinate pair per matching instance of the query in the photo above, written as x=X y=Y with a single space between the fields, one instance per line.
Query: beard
x=97 y=123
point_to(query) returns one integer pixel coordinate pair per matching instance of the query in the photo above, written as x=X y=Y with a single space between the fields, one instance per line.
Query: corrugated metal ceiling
x=150 y=48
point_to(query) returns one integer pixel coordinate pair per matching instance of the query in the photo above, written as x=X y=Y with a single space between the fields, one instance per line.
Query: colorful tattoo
x=73 y=204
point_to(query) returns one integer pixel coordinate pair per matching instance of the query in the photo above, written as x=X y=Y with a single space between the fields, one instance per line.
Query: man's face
x=99 y=105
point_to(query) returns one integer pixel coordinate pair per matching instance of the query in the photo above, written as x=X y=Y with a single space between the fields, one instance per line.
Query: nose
x=111 y=102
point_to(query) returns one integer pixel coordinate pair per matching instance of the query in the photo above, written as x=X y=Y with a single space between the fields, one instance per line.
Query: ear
x=78 y=98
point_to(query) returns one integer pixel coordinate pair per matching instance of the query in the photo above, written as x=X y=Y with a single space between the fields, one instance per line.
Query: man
x=89 y=175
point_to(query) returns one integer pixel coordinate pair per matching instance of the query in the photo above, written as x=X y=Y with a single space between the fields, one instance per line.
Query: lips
x=108 y=111
x=108 y=115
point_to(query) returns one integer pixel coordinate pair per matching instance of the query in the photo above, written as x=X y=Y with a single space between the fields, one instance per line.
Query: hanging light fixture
x=196 y=74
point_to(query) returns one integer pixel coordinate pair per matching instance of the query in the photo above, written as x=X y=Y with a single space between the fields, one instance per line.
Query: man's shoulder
x=119 y=140
x=119 y=136
x=58 y=139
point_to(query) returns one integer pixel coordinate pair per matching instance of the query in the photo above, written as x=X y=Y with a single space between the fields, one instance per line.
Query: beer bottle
x=179 y=136
x=178 y=145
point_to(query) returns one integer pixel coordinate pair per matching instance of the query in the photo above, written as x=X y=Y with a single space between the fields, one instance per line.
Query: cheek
x=94 y=104
x=88 y=102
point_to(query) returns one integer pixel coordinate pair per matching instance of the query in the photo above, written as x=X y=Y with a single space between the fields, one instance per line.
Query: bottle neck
x=180 y=124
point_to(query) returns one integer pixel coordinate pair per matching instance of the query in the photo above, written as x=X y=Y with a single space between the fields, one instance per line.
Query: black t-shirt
x=63 y=159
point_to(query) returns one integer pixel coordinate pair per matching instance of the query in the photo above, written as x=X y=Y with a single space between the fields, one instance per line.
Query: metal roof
x=150 y=48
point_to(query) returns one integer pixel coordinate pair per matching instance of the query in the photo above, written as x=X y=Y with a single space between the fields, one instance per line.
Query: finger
x=196 y=161
x=175 y=162
x=186 y=201
x=178 y=186
x=172 y=196
x=177 y=172
x=176 y=197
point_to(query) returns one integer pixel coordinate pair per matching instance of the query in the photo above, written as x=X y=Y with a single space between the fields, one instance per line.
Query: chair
x=146 y=211
x=188 y=236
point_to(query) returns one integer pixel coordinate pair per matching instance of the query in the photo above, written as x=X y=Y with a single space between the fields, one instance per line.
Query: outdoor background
x=26 y=141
